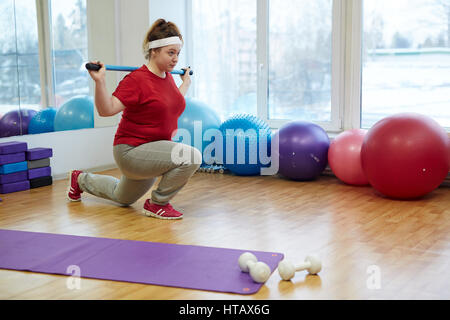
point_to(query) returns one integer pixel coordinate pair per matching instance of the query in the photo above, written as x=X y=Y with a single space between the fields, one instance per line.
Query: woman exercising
x=151 y=104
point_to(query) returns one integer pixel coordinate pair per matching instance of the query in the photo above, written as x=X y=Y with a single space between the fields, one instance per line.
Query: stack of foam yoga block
x=22 y=168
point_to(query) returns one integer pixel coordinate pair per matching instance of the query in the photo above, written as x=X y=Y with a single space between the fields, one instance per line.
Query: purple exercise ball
x=16 y=122
x=303 y=150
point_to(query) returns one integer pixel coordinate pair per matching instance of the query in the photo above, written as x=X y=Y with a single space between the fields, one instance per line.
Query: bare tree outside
x=224 y=46
x=300 y=42
x=224 y=35
x=406 y=59
x=442 y=13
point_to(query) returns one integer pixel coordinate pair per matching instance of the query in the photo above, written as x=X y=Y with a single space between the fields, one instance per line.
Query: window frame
x=45 y=45
x=338 y=94
x=337 y=61
x=45 y=52
x=353 y=67
x=355 y=50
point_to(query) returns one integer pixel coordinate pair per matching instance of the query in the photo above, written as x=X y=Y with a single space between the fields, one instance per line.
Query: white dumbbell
x=259 y=271
x=287 y=269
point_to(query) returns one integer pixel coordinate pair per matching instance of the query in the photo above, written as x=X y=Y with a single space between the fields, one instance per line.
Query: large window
x=338 y=63
x=43 y=45
x=270 y=58
x=300 y=43
x=406 y=59
x=19 y=64
x=69 y=40
x=224 y=46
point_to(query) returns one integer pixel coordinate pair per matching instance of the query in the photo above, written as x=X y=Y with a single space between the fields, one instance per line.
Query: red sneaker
x=166 y=212
x=73 y=191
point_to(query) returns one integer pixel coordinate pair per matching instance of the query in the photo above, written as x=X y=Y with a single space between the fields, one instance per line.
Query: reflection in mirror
x=28 y=106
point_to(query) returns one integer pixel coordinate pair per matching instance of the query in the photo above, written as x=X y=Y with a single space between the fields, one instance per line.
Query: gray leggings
x=140 y=166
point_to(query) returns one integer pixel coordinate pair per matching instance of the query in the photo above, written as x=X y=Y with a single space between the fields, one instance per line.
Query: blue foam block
x=13 y=167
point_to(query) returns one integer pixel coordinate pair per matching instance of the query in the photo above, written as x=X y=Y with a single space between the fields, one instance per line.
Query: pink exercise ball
x=344 y=157
x=406 y=156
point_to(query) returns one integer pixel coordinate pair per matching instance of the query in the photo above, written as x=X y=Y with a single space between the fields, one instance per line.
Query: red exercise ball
x=406 y=156
x=344 y=157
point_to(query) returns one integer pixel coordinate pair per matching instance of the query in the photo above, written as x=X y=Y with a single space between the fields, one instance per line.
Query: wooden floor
x=351 y=228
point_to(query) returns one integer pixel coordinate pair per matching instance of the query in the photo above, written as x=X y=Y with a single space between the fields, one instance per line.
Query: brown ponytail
x=159 y=30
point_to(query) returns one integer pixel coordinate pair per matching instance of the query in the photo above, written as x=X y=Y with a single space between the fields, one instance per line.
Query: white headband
x=164 y=42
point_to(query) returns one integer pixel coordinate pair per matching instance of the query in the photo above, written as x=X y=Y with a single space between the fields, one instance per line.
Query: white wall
x=116 y=30
x=133 y=18
x=86 y=149
x=102 y=43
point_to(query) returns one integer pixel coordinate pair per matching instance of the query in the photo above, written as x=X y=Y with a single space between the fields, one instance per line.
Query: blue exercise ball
x=197 y=115
x=246 y=144
x=75 y=113
x=14 y=123
x=43 y=121
x=303 y=150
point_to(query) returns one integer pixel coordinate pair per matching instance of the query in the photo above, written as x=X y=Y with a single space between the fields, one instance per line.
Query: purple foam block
x=39 y=172
x=12 y=158
x=15 y=186
x=39 y=153
x=13 y=147
x=13 y=177
x=185 y=266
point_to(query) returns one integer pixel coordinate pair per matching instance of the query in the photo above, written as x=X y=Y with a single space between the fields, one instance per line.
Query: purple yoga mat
x=185 y=266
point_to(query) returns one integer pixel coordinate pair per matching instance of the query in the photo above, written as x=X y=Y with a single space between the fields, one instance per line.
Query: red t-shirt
x=152 y=107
